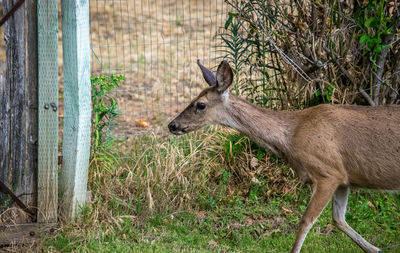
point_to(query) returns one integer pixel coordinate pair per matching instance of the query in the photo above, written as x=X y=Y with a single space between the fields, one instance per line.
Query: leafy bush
x=105 y=108
x=296 y=54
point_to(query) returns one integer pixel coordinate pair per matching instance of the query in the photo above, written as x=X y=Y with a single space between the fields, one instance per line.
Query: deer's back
x=359 y=144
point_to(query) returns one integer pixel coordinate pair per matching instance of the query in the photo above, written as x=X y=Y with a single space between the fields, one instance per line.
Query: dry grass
x=159 y=173
x=151 y=174
x=147 y=175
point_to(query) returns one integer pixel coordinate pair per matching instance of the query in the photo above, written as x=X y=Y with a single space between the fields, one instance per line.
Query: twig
x=380 y=66
x=367 y=97
x=342 y=69
x=384 y=81
x=395 y=78
x=285 y=57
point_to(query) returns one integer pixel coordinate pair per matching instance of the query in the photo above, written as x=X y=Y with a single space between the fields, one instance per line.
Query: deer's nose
x=172 y=127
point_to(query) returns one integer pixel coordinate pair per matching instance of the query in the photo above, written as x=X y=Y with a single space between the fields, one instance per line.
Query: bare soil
x=155 y=44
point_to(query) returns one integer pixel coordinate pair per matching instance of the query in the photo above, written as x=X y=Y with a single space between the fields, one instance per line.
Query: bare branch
x=367 y=97
x=380 y=64
x=395 y=79
x=268 y=33
x=342 y=69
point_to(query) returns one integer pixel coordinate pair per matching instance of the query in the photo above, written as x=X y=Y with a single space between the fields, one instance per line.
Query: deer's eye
x=201 y=106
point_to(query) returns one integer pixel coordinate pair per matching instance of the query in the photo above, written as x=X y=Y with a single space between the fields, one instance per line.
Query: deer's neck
x=266 y=127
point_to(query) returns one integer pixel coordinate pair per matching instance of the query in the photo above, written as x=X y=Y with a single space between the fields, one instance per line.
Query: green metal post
x=77 y=98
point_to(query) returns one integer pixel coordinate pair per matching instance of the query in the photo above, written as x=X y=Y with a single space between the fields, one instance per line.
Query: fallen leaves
x=144 y=123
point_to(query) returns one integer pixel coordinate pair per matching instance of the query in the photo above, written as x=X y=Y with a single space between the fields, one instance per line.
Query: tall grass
x=208 y=191
x=190 y=172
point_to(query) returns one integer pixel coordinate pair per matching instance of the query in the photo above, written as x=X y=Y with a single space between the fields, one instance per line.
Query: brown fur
x=333 y=146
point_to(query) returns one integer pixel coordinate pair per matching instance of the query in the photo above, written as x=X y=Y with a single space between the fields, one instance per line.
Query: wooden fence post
x=14 y=135
x=18 y=105
x=77 y=98
x=48 y=110
x=32 y=99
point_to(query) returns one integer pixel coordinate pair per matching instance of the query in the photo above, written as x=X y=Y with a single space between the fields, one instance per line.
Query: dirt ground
x=155 y=44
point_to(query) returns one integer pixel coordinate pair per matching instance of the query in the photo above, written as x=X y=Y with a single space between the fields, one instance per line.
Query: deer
x=334 y=147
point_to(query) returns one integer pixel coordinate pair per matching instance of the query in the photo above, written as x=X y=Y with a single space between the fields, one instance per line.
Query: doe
x=333 y=146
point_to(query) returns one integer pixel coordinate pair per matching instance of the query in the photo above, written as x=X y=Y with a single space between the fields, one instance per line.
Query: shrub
x=296 y=54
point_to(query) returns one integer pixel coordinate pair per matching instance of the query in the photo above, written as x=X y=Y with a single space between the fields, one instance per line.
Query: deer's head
x=208 y=107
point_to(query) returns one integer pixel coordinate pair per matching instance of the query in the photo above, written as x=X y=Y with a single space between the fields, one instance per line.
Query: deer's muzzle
x=175 y=129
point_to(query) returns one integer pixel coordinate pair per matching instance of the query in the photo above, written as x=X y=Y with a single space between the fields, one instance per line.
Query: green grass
x=200 y=193
x=242 y=227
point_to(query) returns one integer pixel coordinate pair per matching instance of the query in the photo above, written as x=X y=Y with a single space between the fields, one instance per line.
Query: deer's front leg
x=322 y=193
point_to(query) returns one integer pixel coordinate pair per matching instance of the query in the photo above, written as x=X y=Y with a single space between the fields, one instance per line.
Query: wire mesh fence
x=155 y=44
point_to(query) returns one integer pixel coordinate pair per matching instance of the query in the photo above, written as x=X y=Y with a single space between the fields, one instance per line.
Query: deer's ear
x=208 y=75
x=224 y=76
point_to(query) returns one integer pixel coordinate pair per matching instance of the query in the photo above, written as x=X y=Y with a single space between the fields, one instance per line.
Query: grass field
x=237 y=227
x=209 y=191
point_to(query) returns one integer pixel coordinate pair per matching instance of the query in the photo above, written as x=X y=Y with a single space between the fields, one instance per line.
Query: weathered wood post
x=15 y=106
x=32 y=99
x=13 y=109
x=77 y=98
x=47 y=16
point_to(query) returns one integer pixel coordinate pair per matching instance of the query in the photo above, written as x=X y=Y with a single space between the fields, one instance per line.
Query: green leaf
x=105 y=108
x=379 y=48
x=371 y=5
x=374 y=41
x=329 y=90
x=231 y=14
x=364 y=38
x=387 y=19
x=228 y=22
x=328 y=98
x=387 y=30
x=371 y=22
